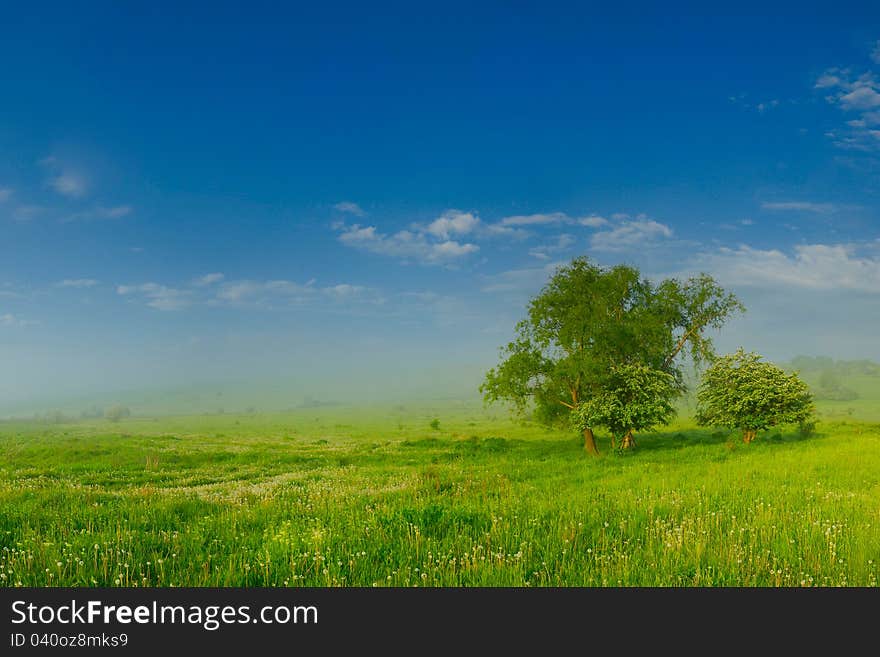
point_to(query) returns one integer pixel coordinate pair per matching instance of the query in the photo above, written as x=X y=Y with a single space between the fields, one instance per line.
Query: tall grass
x=352 y=497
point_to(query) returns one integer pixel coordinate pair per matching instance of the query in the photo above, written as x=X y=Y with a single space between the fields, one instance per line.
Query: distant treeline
x=113 y=413
x=830 y=374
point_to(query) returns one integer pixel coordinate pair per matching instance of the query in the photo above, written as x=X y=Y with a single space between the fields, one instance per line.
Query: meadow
x=378 y=496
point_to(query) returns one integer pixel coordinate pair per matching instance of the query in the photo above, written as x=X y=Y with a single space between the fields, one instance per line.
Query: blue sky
x=363 y=198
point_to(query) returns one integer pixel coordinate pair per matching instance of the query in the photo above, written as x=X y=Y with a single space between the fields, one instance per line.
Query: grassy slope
x=338 y=496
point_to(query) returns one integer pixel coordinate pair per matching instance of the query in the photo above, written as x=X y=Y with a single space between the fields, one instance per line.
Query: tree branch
x=680 y=345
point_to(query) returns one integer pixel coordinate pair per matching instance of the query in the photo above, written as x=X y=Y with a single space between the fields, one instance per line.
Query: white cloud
x=860 y=98
x=828 y=81
x=344 y=291
x=591 y=221
x=69 y=184
x=535 y=219
x=451 y=249
x=420 y=246
x=158 y=296
x=77 y=282
x=804 y=206
x=454 y=235
x=13 y=321
x=347 y=293
x=65 y=179
x=631 y=235
x=355 y=235
x=453 y=222
x=497 y=230
x=280 y=293
x=563 y=243
x=813 y=267
x=350 y=208
x=249 y=291
x=214 y=290
x=208 y=279
x=859 y=95
x=5 y=194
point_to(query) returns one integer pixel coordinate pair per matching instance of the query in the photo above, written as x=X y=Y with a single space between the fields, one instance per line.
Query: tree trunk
x=749 y=435
x=628 y=441
x=590 y=442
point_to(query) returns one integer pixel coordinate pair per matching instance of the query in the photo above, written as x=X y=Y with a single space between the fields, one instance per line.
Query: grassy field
x=376 y=497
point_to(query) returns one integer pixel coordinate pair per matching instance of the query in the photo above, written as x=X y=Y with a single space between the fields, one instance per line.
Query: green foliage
x=634 y=398
x=742 y=391
x=435 y=424
x=587 y=321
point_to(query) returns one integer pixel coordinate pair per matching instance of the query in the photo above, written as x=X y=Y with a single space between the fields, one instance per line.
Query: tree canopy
x=634 y=398
x=742 y=391
x=588 y=322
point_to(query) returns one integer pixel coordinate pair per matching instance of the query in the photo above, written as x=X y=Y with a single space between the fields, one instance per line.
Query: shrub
x=741 y=391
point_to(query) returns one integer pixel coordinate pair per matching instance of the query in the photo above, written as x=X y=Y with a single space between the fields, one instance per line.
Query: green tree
x=742 y=391
x=588 y=320
x=634 y=398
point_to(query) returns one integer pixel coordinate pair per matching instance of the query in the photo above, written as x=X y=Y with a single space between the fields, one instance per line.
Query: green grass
x=364 y=497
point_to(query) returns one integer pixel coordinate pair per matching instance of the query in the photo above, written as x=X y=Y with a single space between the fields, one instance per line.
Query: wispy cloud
x=65 y=179
x=591 y=221
x=344 y=291
x=284 y=293
x=812 y=266
x=77 y=282
x=5 y=194
x=14 y=321
x=100 y=212
x=857 y=95
x=759 y=106
x=213 y=290
x=631 y=234
x=261 y=292
x=350 y=208
x=534 y=219
x=208 y=279
x=563 y=243
x=158 y=296
x=69 y=184
x=800 y=206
